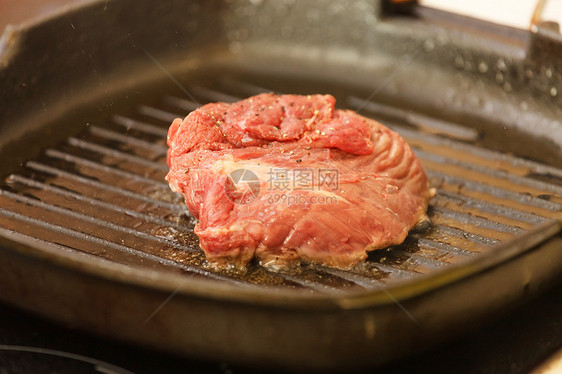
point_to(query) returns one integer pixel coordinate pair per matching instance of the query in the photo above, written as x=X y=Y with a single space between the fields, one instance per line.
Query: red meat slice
x=289 y=177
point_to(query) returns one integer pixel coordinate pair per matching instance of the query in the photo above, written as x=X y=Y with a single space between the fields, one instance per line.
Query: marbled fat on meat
x=318 y=184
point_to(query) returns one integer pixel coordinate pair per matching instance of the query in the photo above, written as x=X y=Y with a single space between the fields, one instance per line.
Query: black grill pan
x=91 y=235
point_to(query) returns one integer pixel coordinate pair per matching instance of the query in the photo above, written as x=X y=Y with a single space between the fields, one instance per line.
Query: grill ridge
x=494 y=208
x=479 y=221
x=99 y=203
x=443 y=246
x=117 y=154
x=57 y=172
x=95 y=221
x=159 y=114
x=515 y=179
x=112 y=135
x=101 y=167
x=500 y=193
x=129 y=123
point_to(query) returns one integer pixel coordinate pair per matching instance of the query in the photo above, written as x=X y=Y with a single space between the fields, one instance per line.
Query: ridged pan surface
x=103 y=192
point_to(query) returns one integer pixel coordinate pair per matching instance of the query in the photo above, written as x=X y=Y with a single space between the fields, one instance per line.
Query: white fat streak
x=227 y=165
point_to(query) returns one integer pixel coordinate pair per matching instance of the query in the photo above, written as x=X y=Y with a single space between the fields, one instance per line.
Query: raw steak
x=289 y=177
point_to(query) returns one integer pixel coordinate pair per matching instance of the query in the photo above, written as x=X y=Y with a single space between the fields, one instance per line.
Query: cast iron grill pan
x=102 y=192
